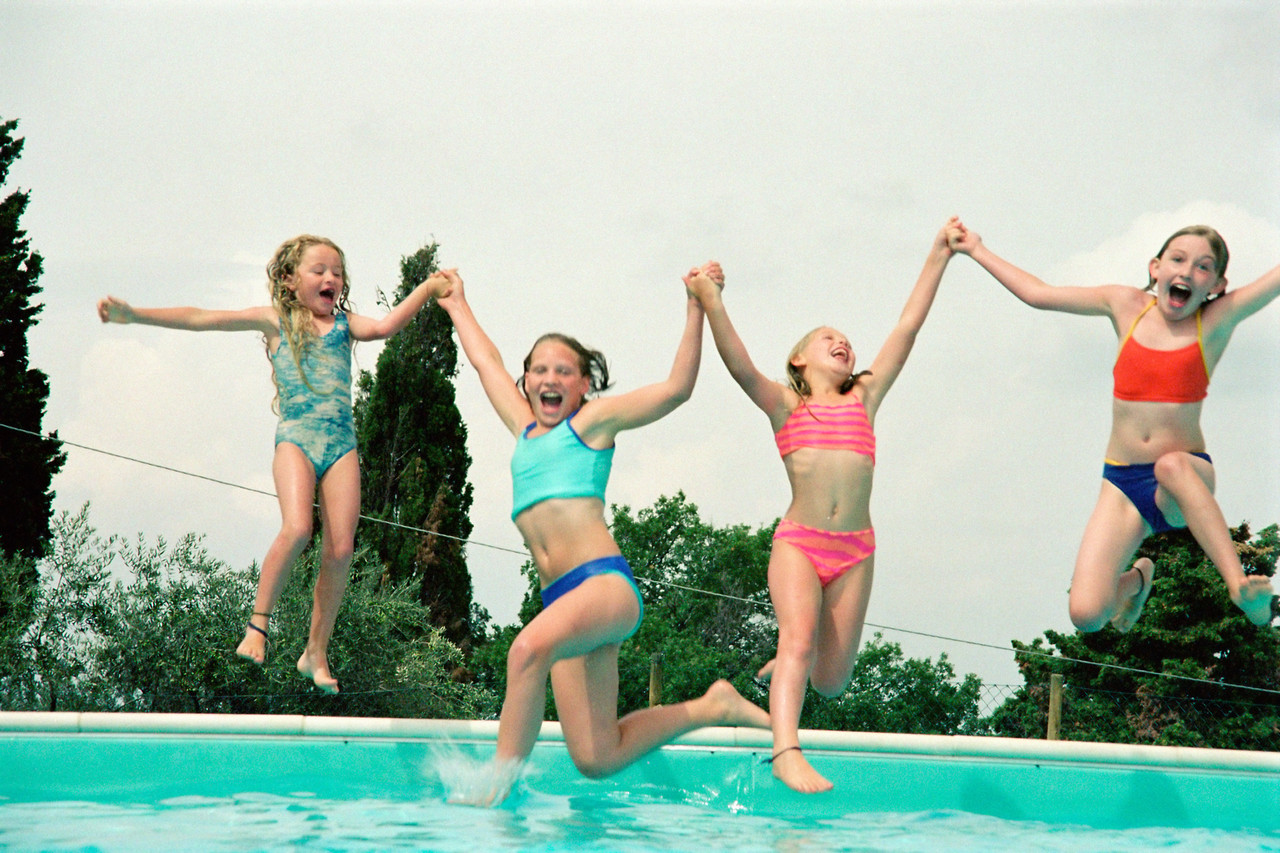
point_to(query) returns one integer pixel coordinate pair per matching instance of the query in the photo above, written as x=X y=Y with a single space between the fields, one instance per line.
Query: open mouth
x=328 y=292
x=1179 y=294
x=550 y=399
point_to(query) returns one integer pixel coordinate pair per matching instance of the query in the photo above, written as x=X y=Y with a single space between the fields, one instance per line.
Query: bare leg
x=1185 y=496
x=1102 y=585
x=797 y=601
x=575 y=642
x=339 y=512
x=586 y=694
x=597 y=614
x=295 y=486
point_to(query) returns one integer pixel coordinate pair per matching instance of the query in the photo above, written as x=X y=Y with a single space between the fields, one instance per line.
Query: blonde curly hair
x=296 y=325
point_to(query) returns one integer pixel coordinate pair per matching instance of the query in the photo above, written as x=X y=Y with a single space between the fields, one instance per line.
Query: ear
x=1219 y=288
x=1152 y=267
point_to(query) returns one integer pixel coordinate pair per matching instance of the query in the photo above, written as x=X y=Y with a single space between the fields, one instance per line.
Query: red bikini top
x=1148 y=375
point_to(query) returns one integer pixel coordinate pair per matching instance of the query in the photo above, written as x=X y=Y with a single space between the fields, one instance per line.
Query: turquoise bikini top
x=557 y=464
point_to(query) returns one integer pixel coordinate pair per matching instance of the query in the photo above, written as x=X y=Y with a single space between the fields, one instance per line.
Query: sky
x=572 y=159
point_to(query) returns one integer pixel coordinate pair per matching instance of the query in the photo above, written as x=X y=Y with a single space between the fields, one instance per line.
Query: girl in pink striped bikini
x=824 y=548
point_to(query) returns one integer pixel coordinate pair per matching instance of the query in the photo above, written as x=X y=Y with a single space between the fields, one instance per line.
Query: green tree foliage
x=708 y=616
x=414 y=459
x=144 y=626
x=891 y=694
x=27 y=461
x=1181 y=676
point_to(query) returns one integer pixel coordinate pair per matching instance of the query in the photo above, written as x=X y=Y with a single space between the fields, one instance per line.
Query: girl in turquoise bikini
x=308 y=329
x=564 y=452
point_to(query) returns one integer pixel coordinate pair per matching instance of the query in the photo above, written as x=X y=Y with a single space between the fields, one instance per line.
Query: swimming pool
x=192 y=782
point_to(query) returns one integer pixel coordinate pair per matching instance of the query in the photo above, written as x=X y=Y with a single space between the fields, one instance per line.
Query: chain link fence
x=1142 y=717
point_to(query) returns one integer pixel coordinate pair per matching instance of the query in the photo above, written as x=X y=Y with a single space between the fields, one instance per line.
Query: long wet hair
x=296 y=325
x=1216 y=244
x=591 y=363
x=795 y=376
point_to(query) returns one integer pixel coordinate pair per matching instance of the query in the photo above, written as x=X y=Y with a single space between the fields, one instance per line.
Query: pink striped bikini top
x=840 y=427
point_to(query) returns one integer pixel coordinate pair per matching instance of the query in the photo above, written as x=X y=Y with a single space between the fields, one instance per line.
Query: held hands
x=113 y=310
x=961 y=239
x=701 y=283
x=440 y=283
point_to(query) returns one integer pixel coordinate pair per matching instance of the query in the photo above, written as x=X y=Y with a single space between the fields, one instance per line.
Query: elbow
x=679 y=396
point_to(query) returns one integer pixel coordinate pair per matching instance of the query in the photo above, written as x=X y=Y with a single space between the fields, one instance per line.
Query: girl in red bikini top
x=1157 y=474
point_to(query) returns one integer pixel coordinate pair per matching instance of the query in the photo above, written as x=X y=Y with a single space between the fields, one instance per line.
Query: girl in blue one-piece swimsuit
x=308 y=331
x=564 y=452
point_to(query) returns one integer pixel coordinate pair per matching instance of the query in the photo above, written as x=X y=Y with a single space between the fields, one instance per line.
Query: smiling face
x=320 y=279
x=1187 y=272
x=555 y=382
x=823 y=354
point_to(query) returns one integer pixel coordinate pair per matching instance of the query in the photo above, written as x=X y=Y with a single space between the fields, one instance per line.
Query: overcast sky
x=573 y=159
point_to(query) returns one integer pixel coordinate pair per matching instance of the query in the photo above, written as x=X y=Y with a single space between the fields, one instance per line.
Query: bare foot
x=794 y=770
x=1129 y=612
x=766 y=671
x=1253 y=596
x=729 y=708
x=254 y=645
x=317 y=669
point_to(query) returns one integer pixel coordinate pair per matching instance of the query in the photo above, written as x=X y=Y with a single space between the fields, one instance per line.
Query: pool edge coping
x=936 y=746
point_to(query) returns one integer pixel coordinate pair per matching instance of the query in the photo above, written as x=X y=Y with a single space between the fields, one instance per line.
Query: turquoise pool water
x=153 y=782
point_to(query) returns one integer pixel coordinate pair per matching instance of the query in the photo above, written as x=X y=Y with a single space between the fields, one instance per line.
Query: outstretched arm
x=499 y=387
x=768 y=395
x=607 y=416
x=893 y=353
x=258 y=319
x=368 y=329
x=1028 y=288
x=1235 y=305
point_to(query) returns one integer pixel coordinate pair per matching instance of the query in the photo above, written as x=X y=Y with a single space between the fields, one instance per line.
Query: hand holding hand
x=960 y=238
x=700 y=281
x=438 y=284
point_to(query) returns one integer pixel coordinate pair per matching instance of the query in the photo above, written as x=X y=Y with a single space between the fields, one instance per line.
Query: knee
x=798 y=646
x=592 y=766
x=830 y=685
x=295 y=535
x=527 y=655
x=1087 y=618
x=1172 y=466
x=338 y=553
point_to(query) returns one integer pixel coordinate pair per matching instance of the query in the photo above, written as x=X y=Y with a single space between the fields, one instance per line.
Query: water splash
x=470 y=781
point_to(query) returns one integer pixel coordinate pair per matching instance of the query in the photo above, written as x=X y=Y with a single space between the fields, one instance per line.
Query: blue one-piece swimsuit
x=315 y=413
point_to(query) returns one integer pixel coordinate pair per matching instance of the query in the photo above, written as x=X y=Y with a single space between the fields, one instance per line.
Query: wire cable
x=657 y=582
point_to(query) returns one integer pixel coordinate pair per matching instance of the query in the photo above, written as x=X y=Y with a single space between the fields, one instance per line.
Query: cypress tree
x=414 y=460
x=28 y=460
